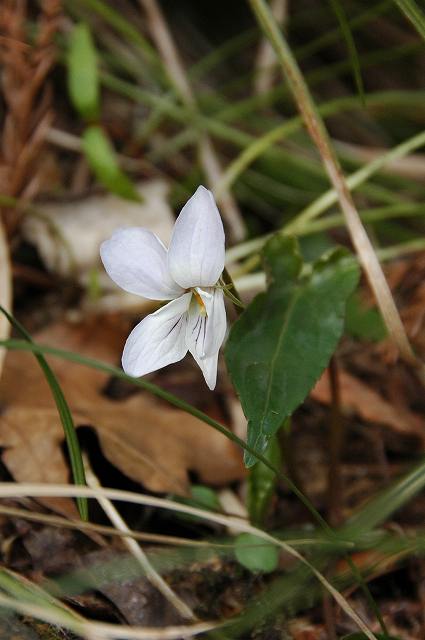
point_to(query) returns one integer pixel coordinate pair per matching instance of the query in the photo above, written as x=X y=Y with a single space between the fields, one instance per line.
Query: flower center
x=198 y=298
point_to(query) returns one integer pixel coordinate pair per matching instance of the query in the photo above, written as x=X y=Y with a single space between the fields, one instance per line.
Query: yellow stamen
x=200 y=302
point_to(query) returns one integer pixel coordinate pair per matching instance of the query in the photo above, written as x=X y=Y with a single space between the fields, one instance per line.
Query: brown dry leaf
x=148 y=441
x=357 y=397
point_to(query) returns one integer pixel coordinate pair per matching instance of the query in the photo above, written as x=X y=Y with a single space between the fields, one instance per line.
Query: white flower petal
x=158 y=340
x=196 y=253
x=136 y=260
x=208 y=367
x=216 y=325
x=205 y=331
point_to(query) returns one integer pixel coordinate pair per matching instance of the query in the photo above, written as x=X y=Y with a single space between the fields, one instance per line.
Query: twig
x=178 y=78
x=136 y=550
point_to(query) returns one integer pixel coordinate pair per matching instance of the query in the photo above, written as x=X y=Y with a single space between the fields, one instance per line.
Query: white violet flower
x=187 y=274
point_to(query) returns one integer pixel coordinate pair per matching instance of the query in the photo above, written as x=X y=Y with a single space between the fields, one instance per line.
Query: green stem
x=231 y=289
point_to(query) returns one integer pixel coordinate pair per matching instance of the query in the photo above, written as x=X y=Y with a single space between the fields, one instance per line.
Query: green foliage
x=262 y=483
x=414 y=13
x=201 y=497
x=255 y=554
x=382 y=506
x=283 y=341
x=204 y=497
x=344 y=24
x=83 y=87
x=102 y=159
x=83 y=79
x=364 y=322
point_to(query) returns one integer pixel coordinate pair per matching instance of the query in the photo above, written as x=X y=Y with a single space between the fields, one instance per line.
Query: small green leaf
x=262 y=483
x=83 y=80
x=101 y=157
x=364 y=322
x=256 y=554
x=204 y=497
x=283 y=341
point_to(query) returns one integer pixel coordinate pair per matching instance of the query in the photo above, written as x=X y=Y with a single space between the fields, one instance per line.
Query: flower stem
x=232 y=292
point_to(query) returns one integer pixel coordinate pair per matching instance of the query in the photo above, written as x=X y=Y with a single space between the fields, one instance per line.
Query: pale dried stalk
x=266 y=61
x=319 y=134
x=60 y=521
x=71 y=142
x=412 y=166
x=104 y=630
x=135 y=549
x=10 y=489
x=177 y=75
x=5 y=290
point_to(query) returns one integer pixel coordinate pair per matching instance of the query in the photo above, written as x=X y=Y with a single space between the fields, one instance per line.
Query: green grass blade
x=351 y=46
x=83 y=76
x=73 y=445
x=413 y=13
x=378 y=509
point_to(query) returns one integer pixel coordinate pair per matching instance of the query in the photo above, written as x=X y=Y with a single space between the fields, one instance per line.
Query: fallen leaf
x=67 y=235
x=148 y=441
x=358 y=398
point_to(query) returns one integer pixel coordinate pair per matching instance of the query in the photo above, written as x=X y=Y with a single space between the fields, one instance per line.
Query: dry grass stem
x=104 y=630
x=266 y=61
x=135 y=549
x=157 y=538
x=16 y=490
x=178 y=77
x=412 y=166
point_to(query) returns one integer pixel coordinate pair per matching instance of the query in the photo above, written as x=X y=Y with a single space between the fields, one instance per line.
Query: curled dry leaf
x=148 y=441
x=357 y=397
